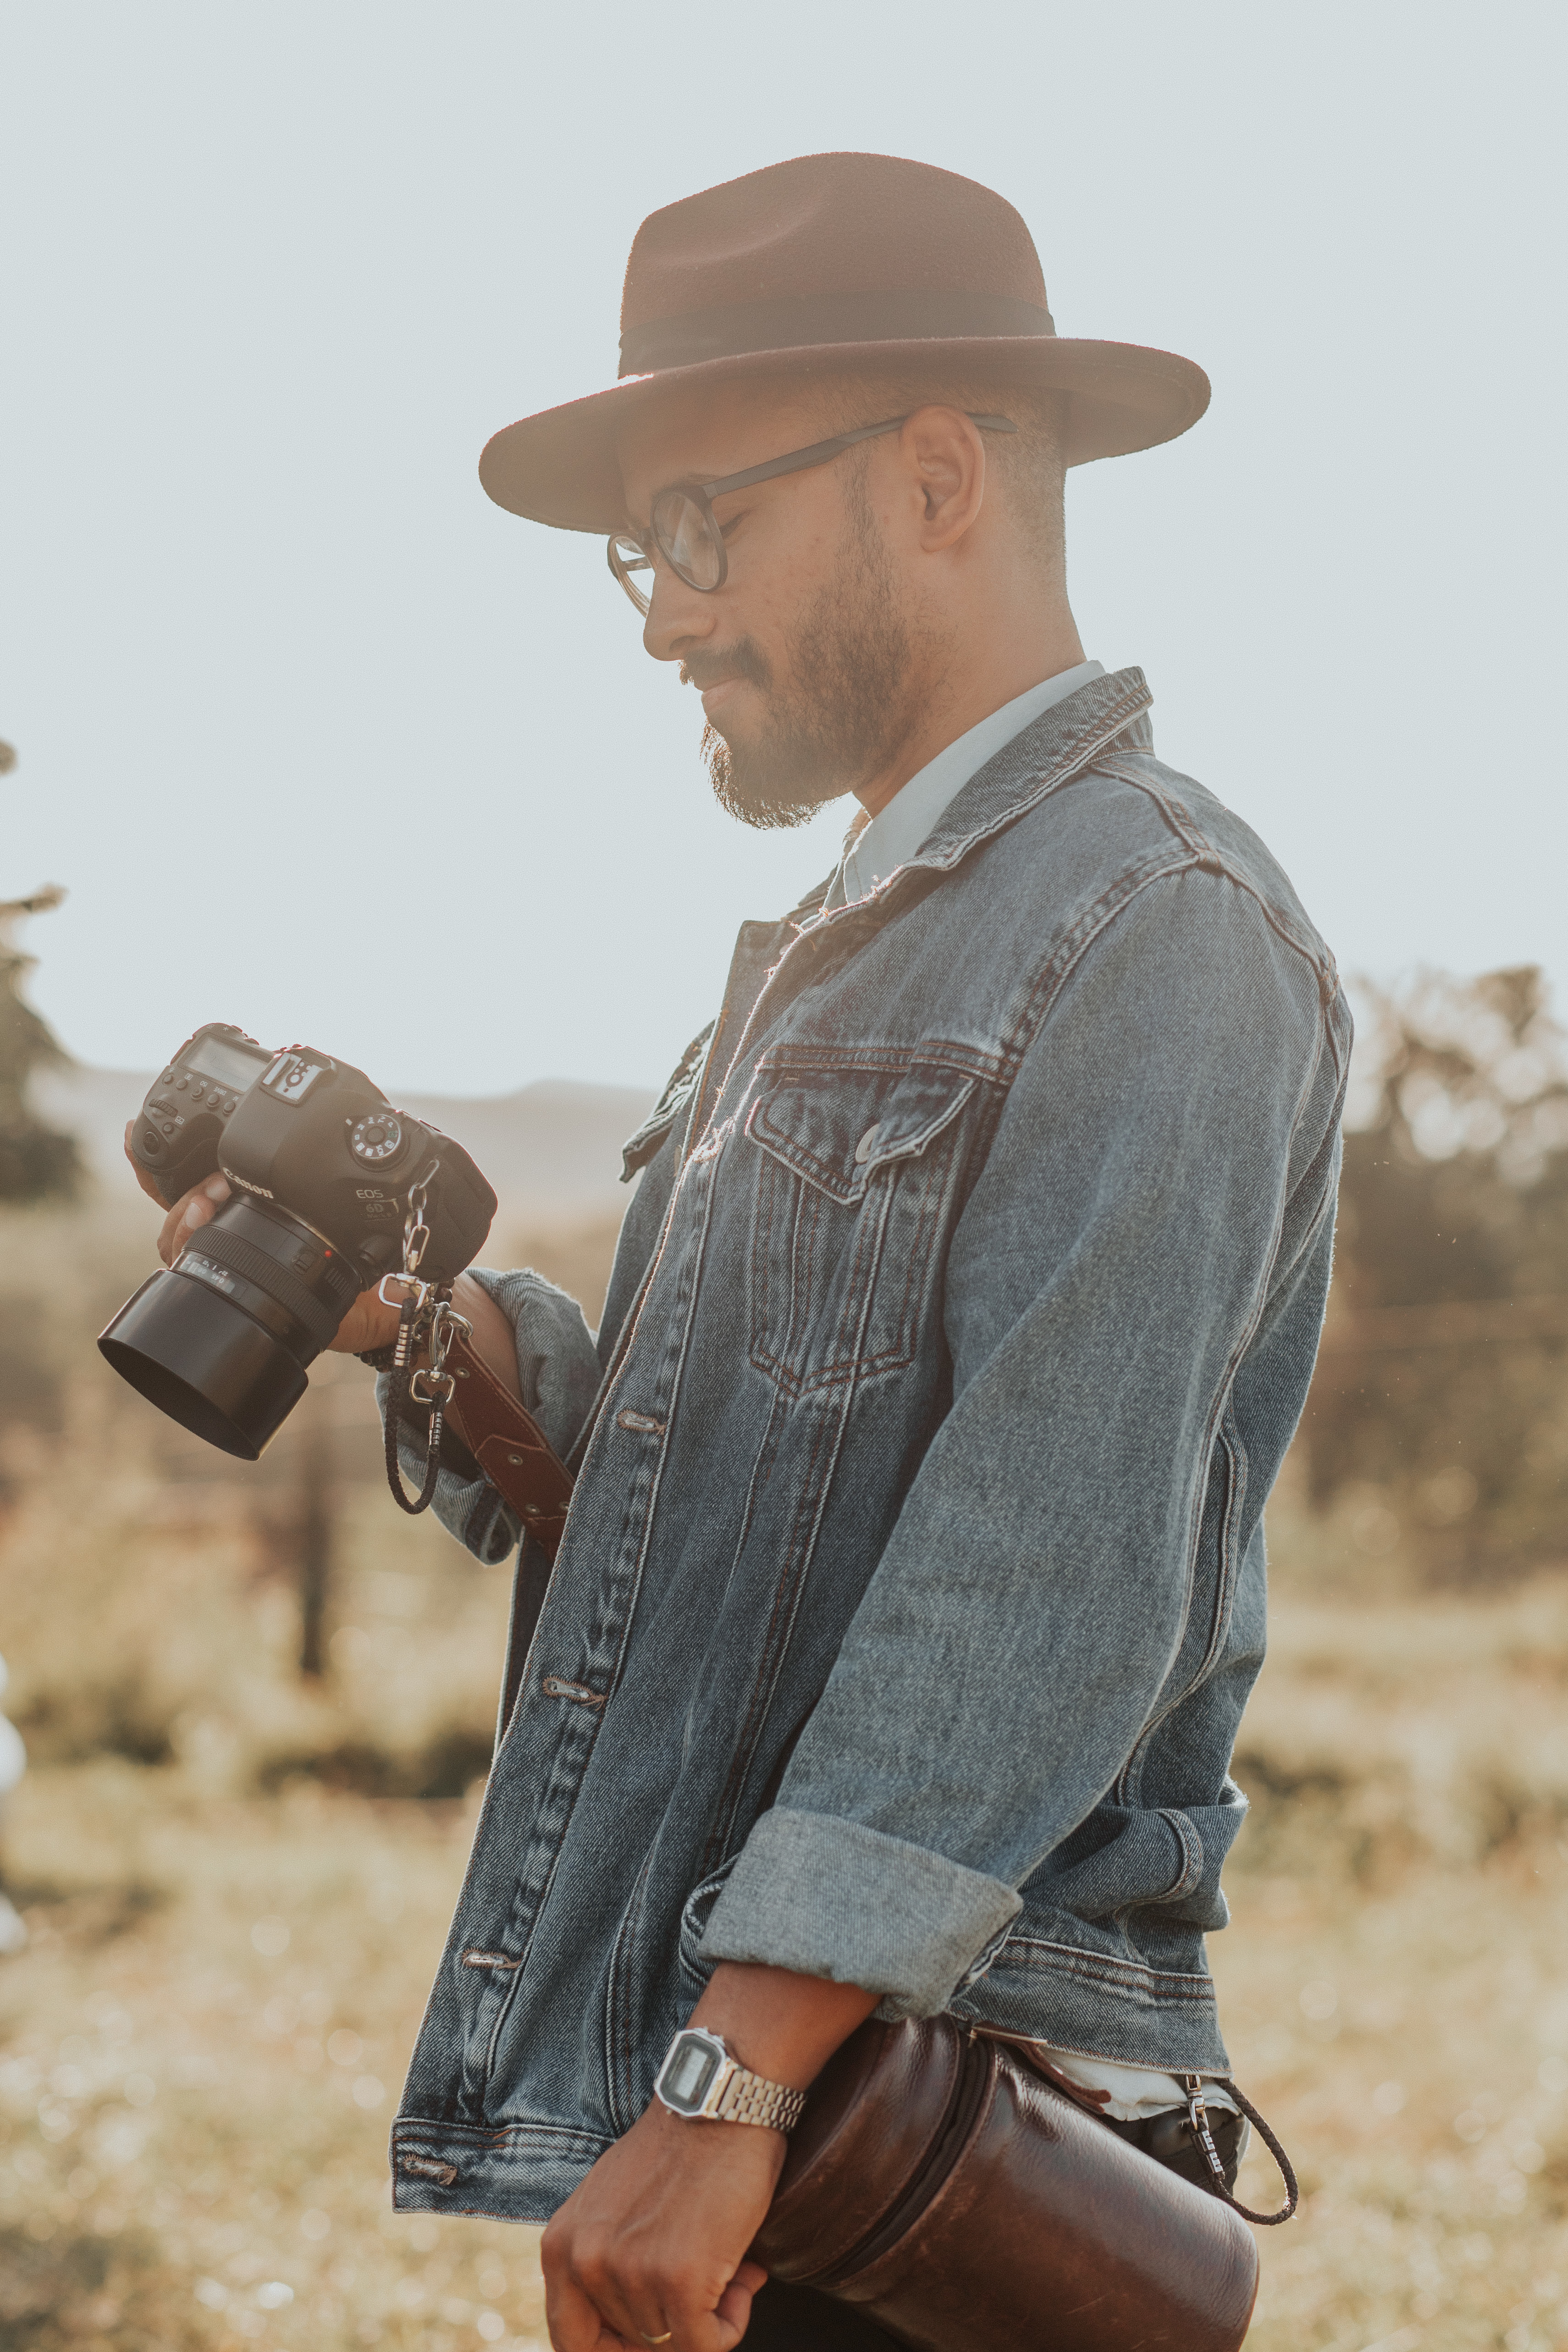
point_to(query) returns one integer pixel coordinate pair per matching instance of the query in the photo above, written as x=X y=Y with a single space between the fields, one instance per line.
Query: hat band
x=726 y=331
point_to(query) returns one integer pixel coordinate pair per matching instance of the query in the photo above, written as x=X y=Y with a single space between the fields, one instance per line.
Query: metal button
x=867 y=1145
x=643 y=1422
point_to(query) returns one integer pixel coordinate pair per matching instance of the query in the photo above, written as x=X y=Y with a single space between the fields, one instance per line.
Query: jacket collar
x=1050 y=752
x=1046 y=753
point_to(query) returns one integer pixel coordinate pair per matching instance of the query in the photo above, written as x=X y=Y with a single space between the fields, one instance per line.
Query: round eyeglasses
x=684 y=530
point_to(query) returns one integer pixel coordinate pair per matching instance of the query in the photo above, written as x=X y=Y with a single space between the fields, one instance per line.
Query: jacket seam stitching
x=1054 y=974
x=1209 y=854
x=1069 y=1959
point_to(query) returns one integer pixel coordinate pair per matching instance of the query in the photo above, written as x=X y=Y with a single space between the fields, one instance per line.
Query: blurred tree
x=1442 y=1381
x=36 y=1163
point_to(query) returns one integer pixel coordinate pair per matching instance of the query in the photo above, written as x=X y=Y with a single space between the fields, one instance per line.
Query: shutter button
x=867 y=1145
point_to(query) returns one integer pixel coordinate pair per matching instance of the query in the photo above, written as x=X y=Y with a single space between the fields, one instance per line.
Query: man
x=913 y=1583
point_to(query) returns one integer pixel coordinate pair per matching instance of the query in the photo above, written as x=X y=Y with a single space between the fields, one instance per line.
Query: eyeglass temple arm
x=819 y=452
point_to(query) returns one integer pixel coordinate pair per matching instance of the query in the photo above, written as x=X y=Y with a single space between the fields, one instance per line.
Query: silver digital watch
x=701 y=2079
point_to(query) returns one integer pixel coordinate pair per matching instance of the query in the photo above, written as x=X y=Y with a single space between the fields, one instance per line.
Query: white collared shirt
x=896 y=831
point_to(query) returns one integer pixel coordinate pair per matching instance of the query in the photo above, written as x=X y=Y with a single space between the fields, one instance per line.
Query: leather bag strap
x=509 y=1446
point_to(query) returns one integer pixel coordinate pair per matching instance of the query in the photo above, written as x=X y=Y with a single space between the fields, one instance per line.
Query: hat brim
x=560 y=467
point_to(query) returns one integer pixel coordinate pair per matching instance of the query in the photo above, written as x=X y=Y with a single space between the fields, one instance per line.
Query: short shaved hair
x=1027 y=466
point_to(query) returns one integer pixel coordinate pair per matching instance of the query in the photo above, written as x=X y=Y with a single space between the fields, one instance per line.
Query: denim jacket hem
x=1099 y=2004
x=522 y=2172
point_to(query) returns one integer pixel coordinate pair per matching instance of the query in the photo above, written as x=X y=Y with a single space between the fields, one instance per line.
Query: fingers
x=573 y=2321
x=368 y=1324
x=194 y=1208
x=654 y=2239
x=637 y=2301
x=595 y=2300
x=735 y=2311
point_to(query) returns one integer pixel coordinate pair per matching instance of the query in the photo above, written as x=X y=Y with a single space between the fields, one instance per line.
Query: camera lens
x=221 y=1340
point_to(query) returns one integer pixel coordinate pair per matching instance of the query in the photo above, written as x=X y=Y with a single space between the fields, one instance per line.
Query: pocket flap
x=837 y=1127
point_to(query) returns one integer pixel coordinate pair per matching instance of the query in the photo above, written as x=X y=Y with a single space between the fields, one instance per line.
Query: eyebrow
x=712 y=487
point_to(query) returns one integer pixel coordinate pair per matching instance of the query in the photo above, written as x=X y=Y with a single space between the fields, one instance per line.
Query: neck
x=977 y=671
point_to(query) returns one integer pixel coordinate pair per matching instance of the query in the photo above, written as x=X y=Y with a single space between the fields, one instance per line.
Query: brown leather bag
x=954 y=2198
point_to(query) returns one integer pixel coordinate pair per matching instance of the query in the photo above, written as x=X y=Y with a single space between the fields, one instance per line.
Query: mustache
x=745 y=658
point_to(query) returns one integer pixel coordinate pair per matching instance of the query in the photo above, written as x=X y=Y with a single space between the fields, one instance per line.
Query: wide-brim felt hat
x=833 y=265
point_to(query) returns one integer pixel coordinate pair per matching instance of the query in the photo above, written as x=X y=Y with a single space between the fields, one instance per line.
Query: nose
x=679 y=617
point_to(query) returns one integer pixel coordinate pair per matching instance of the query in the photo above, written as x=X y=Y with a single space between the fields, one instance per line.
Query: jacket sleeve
x=1156 y=1182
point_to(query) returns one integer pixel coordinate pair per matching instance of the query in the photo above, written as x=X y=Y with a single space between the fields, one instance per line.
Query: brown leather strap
x=509 y=1446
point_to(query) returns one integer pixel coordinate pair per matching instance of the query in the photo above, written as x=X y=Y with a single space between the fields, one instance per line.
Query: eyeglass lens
x=684 y=528
x=688 y=538
x=633 y=569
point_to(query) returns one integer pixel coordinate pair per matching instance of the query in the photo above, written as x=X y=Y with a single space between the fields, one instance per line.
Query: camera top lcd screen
x=230 y=1065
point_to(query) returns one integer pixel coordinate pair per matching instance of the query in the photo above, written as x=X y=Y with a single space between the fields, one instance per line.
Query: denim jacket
x=914 y=1580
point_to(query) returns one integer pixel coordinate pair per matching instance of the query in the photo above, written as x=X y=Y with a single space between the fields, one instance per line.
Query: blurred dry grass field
x=238 y=1883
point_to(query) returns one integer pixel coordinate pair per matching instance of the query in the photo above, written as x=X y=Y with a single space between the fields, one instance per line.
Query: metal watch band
x=746 y=2098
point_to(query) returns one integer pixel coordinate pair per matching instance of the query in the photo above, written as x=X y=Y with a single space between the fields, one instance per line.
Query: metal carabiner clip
x=421 y=1291
x=416 y=1232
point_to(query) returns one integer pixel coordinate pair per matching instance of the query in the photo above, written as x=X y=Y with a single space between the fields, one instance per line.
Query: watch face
x=687 y=2074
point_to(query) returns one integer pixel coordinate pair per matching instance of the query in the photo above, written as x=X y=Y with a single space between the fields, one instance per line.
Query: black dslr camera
x=323 y=1171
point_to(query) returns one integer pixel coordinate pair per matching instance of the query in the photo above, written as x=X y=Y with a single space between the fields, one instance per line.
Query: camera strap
x=425 y=1319
x=516 y=1457
x=511 y=1450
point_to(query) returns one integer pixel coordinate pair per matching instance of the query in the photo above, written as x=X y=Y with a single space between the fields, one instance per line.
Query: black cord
x=397 y=1405
x=1217 y=2185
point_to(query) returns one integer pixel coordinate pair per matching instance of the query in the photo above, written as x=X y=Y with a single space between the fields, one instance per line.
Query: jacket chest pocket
x=854 y=1176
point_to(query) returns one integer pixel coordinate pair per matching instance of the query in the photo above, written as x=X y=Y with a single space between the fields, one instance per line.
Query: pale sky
x=322 y=742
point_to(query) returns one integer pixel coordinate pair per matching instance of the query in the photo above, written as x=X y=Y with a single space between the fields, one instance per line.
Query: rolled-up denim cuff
x=832 y=1898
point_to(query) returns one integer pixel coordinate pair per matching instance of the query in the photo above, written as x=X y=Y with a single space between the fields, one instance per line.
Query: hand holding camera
x=291 y=1183
x=369 y=1324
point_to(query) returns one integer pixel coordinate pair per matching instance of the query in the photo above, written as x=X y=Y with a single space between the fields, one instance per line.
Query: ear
x=945 y=456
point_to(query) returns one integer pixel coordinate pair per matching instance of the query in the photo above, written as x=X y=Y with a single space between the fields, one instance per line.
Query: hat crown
x=843 y=263
x=829 y=225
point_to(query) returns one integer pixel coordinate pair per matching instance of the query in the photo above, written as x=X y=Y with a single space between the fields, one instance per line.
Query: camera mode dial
x=376 y=1139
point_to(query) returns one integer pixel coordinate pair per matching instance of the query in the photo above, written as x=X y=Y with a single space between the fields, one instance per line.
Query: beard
x=846 y=705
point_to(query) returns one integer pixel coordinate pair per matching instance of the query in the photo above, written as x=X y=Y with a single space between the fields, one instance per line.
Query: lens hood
x=200 y=1358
